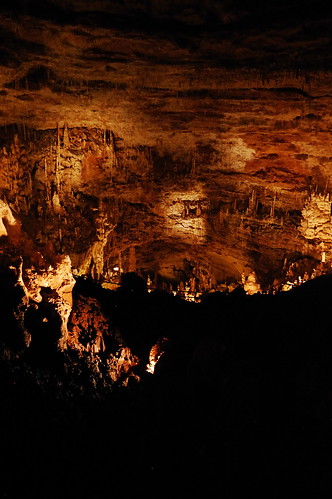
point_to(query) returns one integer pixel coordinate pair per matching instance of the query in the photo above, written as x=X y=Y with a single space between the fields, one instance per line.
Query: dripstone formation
x=179 y=143
x=150 y=152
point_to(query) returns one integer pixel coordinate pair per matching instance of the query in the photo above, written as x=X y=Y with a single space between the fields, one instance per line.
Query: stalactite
x=57 y=161
x=272 y=212
x=116 y=162
x=253 y=203
x=193 y=165
x=66 y=141
x=120 y=262
x=47 y=191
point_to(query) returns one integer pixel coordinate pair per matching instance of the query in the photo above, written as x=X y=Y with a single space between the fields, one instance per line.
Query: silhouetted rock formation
x=239 y=401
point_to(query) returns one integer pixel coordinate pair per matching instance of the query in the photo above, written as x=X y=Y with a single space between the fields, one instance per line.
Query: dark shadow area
x=240 y=404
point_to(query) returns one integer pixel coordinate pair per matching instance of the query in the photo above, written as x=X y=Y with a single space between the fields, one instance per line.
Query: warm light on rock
x=164 y=152
x=184 y=213
x=250 y=284
x=6 y=216
x=60 y=280
x=165 y=178
x=155 y=353
x=316 y=225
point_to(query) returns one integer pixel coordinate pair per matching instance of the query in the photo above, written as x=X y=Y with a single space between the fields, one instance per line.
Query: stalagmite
x=132 y=264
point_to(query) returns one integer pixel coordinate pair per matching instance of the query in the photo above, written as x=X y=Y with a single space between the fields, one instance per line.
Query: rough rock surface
x=180 y=142
x=188 y=141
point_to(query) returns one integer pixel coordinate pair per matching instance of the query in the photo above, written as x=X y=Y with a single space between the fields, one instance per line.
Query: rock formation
x=197 y=137
x=152 y=151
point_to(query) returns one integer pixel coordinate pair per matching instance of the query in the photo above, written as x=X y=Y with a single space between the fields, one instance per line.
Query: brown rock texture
x=180 y=142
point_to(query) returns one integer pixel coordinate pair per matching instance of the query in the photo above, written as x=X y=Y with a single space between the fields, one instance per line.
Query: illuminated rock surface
x=188 y=144
x=194 y=135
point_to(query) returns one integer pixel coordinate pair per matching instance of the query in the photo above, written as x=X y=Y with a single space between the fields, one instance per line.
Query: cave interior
x=165 y=248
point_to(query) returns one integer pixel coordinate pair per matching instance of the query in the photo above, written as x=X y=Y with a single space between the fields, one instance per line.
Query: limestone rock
x=197 y=141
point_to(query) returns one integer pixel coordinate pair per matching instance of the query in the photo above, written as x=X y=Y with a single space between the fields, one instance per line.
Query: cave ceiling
x=180 y=141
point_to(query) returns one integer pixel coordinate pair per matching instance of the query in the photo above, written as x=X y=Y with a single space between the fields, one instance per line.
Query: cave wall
x=86 y=193
x=187 y=149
